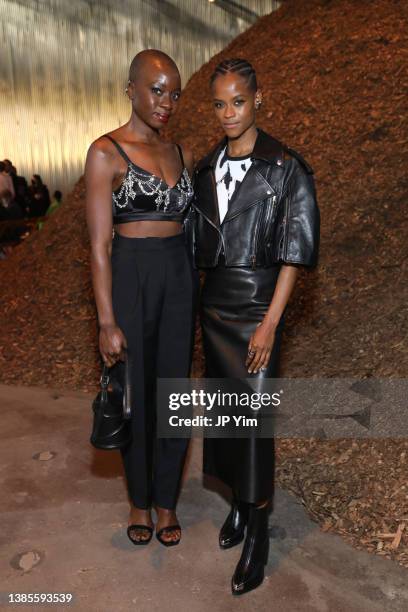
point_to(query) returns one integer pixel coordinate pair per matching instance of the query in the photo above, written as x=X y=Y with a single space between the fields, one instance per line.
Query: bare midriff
x=149 y=229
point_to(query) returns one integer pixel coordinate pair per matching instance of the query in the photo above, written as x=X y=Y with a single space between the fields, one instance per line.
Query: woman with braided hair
x=255 y=221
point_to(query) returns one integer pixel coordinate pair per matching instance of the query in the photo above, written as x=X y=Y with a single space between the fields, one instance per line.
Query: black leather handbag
x=112 y=410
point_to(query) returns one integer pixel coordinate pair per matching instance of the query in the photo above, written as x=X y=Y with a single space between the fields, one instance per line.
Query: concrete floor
x=64 y=512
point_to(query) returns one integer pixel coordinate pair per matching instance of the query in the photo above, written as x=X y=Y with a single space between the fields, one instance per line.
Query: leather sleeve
x=302 y=217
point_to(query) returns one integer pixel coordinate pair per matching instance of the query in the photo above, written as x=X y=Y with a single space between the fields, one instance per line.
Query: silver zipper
x=266 y=220
x=282 y=240
x=286 y=226
x=217 y=228
x=253 y=256
x=269 y=214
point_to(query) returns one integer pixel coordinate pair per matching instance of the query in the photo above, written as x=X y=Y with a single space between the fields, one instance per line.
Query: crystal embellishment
x=152 y=185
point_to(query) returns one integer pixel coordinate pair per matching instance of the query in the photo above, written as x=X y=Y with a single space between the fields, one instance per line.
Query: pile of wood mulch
x=334 y=76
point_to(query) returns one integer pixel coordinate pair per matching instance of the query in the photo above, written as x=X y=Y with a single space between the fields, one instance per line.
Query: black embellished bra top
x=143 y=196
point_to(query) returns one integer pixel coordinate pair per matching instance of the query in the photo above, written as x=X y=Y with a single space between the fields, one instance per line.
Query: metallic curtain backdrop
x=63 y=69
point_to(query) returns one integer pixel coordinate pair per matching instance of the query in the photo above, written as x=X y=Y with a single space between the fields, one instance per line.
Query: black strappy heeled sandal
x=168 y=529
x=142 y=541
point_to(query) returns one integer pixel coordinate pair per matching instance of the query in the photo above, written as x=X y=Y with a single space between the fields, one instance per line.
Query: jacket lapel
x=254 y=187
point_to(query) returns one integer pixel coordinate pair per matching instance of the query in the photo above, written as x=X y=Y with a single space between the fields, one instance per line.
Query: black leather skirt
x=233 y=302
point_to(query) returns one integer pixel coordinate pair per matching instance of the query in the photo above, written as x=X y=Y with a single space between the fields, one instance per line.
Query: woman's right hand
x=112 y=344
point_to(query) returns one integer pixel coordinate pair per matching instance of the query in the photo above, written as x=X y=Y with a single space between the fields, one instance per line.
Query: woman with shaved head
x=138 y=192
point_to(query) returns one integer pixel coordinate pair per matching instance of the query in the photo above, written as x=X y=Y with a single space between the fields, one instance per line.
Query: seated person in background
x=9 y=209
x=6 y=182
x=22 y=196
x=56 y=202
x=40 y=197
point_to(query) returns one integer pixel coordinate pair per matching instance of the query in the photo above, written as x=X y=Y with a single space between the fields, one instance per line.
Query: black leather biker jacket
x=272 y=218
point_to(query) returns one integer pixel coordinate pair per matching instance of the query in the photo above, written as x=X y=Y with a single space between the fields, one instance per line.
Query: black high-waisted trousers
x=233 y=302
x=152 y=295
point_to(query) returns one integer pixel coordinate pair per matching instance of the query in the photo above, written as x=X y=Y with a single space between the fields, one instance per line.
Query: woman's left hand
x=260 y=347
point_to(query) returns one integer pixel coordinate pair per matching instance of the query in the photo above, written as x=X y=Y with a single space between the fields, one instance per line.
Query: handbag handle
x=127 y=395
x=104 y=381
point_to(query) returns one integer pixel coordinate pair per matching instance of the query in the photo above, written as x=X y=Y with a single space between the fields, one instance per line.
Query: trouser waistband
x=150 y=243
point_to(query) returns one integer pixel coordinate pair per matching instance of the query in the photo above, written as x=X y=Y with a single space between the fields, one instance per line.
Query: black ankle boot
x=232 y=531
x=249 y=572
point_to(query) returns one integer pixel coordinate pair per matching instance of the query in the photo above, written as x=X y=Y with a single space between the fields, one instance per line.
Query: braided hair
x=240 y=66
